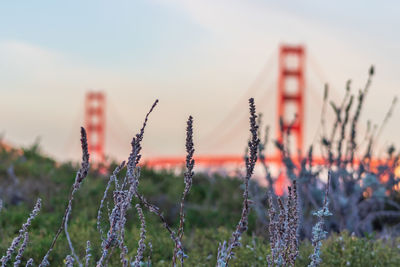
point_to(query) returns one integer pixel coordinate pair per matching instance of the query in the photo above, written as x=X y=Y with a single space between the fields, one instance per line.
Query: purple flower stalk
x=16 y=241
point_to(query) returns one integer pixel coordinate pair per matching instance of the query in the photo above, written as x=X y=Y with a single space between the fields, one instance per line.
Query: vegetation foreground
x=211 y=214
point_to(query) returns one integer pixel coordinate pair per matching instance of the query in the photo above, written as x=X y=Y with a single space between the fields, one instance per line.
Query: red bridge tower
x=95 y=125
x=291 y=92
x=291 y=83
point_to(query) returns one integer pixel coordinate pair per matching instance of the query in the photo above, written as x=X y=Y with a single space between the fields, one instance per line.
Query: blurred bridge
x=291 y=101
x=291 y=91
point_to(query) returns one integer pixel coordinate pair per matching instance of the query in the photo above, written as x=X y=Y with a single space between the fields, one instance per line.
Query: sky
x=198 y=58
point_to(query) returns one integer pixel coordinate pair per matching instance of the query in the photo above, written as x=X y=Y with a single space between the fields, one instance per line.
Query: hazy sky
x=196 y=57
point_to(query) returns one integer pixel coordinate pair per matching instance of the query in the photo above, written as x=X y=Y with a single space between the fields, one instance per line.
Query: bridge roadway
x=225 y=160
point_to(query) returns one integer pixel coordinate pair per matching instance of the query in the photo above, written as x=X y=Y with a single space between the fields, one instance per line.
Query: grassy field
x=212 y=214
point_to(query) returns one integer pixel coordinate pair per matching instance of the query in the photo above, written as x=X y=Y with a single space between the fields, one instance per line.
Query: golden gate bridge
x=291 y=91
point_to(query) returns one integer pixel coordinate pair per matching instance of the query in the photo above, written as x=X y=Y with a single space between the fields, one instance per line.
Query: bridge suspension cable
x=237 y=110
